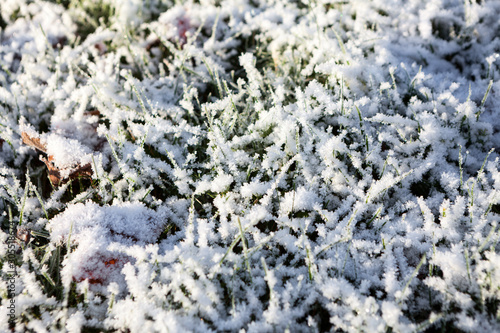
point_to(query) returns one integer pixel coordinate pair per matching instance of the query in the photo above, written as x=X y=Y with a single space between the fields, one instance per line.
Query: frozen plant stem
x=245 y=249
x=483 y=101
x=415 y=272
x=23 y=203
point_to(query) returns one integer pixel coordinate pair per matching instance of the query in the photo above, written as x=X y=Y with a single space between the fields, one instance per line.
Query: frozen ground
x=250 y=165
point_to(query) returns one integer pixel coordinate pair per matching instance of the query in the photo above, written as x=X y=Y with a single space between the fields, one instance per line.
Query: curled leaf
x=55 y=174
x=33 y=142
x=58 y=175
x=23 y=234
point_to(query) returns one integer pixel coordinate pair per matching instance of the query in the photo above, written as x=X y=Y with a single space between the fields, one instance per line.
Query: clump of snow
x=127 y=222
x=67 y=153
x=95 y=230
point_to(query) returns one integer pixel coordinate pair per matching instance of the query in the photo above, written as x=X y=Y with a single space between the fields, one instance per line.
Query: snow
x=251 y=166
x=67 y=152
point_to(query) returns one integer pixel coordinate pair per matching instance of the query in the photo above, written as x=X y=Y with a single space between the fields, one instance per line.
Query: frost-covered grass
x=265 y=165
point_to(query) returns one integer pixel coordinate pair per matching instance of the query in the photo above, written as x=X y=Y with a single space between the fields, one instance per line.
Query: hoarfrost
x=252 y=166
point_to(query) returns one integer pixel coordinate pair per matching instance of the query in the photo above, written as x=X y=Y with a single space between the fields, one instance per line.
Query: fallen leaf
x=101 y=276
x=23 y=234
x=92 y=113
x=56 y=174
x=33 y=142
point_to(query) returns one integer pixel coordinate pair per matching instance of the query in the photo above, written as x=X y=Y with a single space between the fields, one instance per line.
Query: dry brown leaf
x=92 y=113
x=81 y=171
x=23 y=234
x=33 y=142
x=54 y=172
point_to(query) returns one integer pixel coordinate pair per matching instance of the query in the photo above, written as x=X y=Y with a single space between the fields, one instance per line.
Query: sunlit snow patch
x=94 y=228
